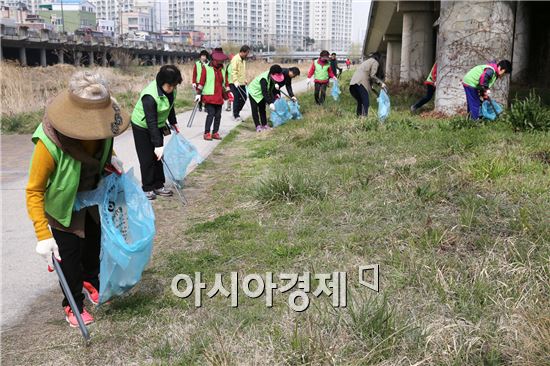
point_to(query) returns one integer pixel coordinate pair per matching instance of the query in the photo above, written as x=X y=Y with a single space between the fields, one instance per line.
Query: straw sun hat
x=86 y=110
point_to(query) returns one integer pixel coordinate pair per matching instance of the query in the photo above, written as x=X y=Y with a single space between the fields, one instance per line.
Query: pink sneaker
x=91 y=292
x=71 y=318
x=266 y=127
x=259 y=129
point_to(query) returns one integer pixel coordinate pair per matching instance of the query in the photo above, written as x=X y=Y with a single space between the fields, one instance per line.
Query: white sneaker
x=238 y=119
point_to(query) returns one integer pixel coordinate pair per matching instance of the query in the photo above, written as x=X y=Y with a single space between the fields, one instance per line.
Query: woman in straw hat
x=73 y=148
x=154 y=107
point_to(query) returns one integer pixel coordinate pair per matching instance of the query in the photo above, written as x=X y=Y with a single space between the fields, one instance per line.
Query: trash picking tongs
x=192 y=116
x=177 y=186
x=70 y=298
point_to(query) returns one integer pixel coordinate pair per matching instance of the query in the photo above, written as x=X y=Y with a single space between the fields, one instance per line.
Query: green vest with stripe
x=255 y=89
x=63 y=183
x=163 y=106
x=472 y=77
x=210 y=83
x=321 y=71
x=199 y=71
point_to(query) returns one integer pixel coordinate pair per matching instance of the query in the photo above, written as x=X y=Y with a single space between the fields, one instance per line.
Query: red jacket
x=312 y=71
x=219 y=88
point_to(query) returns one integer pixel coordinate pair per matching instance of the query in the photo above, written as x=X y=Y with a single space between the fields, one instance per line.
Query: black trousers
x=430 y=90
x=239 y=92
x=320 y=93
x=361 y=95
x=152 y=172
x=258 y=112
x=214 y=115
x=79 y=259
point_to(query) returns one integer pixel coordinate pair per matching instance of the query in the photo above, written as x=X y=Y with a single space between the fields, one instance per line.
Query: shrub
x=529 y=114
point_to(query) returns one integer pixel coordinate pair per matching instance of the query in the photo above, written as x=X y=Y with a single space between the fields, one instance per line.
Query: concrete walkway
x=24 y=276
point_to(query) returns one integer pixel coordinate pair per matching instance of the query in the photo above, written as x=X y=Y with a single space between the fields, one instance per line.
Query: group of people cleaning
x=477 y=84
x=215 y=82
x=74 y=143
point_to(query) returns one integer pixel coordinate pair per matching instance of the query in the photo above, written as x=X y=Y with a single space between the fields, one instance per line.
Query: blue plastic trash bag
x=127 y=232
x=383 y=105
x=488 y=112
x=281 y=114
x=294 y=109
x=335 y=92
x=178 y=154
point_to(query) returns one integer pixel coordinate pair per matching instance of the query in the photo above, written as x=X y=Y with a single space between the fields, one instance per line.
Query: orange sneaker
x=91 y=292
x=208 y=136
x=216 y=136
x=71 y=318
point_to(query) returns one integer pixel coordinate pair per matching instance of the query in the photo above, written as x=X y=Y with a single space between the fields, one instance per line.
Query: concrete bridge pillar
x=91 y=57
x=60 y=57
x=461 y=45
x=417 y=41
x=393 y=57
x=43 y=61
x=23 y=56
x=520 y=62
x=154 y=59
x=77 y=58
x=162 y=60
x=104 y=59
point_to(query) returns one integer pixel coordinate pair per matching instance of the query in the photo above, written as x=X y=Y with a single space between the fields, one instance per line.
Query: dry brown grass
x=26 y=89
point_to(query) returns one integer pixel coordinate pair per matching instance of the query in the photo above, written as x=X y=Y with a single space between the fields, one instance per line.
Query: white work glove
x=117 y=164
x=294 y=99
x=236 y=83
x=385 y=87
x=45 y=248
x=197 y=98
x=309 y=81
x=159 y=151
x=176 y=128
x=194 y=85
x=487 y=94
x=272 y=107
x=277 y=86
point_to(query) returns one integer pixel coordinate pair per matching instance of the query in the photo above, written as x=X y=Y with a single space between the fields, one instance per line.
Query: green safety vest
x=199 y=71
x=63 y=183
x=430 y=79
x=472 y=77
x=321 y=72
x=229 y=76
x=163 y=106
x=255 y=89
x=210 y=84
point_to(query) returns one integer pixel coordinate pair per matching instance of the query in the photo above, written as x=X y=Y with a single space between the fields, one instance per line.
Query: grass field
x=455 y=215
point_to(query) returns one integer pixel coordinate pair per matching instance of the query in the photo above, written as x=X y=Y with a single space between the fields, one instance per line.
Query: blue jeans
x=473 y=102
x=361 y=95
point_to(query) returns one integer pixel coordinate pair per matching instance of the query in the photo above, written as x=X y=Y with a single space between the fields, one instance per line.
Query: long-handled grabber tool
x=177 y=186
x=192 y=116
x=70 y=298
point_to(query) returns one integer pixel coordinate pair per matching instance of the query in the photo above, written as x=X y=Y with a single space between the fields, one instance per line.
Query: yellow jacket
x=238 y=70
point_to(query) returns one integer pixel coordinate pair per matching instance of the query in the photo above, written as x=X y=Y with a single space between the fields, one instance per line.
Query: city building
x=329 y=23
x=266 y=24
x=135 y=21
x=68 y=15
